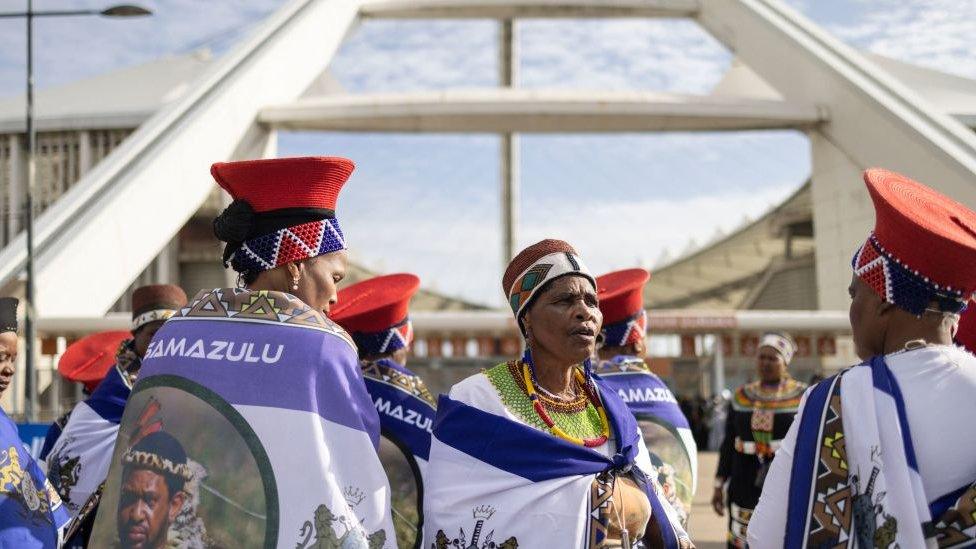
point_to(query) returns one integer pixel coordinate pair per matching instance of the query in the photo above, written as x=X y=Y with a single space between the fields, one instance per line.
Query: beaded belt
x=749 y=447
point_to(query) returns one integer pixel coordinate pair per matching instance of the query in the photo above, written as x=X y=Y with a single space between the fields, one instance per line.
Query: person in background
x=31 y=512
x=86 y=361
x=375 y=312
x=79 y=458
x=623 y=369
x=883 y=454
x=759 y=415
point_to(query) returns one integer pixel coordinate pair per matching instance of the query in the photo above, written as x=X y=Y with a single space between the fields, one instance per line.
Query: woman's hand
x=718 y=501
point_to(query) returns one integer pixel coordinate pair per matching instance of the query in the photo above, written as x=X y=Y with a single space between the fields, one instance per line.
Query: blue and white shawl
x=265 y=397
x=405 y=407
x=855 y=480
x=666 y=432
x=79 y=459
x=492 y=479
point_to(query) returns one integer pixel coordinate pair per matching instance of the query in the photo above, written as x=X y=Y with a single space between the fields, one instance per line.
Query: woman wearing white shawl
x=884 y=453
x=535 y=452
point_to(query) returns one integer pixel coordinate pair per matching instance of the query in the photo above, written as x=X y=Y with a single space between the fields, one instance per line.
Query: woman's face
x=318 y=280
x=564 y=320
x=770 y=365
x=8 y=359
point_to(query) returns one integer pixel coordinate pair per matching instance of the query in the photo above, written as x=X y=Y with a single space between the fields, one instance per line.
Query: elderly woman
x=759 y=415
x=536 y=452
x=883 y=454
x=294 y=414
x=31 y=513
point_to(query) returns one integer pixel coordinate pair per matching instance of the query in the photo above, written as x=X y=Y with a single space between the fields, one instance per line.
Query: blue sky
x=429 y=203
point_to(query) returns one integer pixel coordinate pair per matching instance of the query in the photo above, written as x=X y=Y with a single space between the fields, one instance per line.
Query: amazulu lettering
x=411 y=417
x=225 y=351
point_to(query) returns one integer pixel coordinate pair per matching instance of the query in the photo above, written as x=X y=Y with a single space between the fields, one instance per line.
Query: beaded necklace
x=528 y=376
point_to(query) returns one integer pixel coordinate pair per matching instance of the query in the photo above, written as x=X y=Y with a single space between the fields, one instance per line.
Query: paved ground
x=706 y=528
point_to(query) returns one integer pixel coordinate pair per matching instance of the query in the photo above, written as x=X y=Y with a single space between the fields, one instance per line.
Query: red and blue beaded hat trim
x=625 y=332
x=901 y=284
x=294 y=243
x=384 y=341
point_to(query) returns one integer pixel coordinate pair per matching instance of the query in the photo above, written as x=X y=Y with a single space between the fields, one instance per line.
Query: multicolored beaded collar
x=584 y=381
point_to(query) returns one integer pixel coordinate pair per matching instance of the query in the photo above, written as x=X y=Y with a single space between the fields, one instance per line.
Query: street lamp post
x=30 y=335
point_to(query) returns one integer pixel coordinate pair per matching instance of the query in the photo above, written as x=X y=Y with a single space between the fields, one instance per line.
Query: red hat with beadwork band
x=621 y=295
x=922 y=252
x=283 y=210
x=88 y=360
x=375 y=312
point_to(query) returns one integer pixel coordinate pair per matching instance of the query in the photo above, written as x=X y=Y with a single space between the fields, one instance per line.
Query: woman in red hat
x=538 y=450
x=282 y=381
x=758 y=417
x=671 y=445
x=375 y=312
x=884 y=453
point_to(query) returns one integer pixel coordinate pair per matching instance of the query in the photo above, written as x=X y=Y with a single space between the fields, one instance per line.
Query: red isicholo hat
x=283 y=210
x=923 y=247
x=88 y=360
x=375 y=312
x=621 y=295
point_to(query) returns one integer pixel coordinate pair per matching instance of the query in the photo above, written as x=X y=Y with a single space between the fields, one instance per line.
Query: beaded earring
x=294 y=283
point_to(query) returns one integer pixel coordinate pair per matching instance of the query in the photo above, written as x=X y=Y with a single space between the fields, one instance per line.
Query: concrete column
x=508 y=77
x=843 y=216
x=167 y=263
x=718 y=366
x=18 y=181
x=86 y=158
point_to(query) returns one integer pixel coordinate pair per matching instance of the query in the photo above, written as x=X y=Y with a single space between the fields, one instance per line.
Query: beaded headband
x=785 y=347
x=626 y=332
x=152 y=316
x=901 y=284
x=544 y=269
x=384 y=341
x=149 y=460
x=289 y=244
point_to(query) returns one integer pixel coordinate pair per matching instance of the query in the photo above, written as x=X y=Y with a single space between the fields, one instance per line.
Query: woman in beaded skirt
x=759 y=416
x=536 y=451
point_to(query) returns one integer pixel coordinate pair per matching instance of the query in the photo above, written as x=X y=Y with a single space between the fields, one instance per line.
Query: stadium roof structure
x=857 y=111
x=741 y=270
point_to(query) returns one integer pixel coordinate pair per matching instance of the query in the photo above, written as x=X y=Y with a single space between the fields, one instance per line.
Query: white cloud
x=935 y=33
x=462 y=257
x=70 y=48
x=665 y=55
